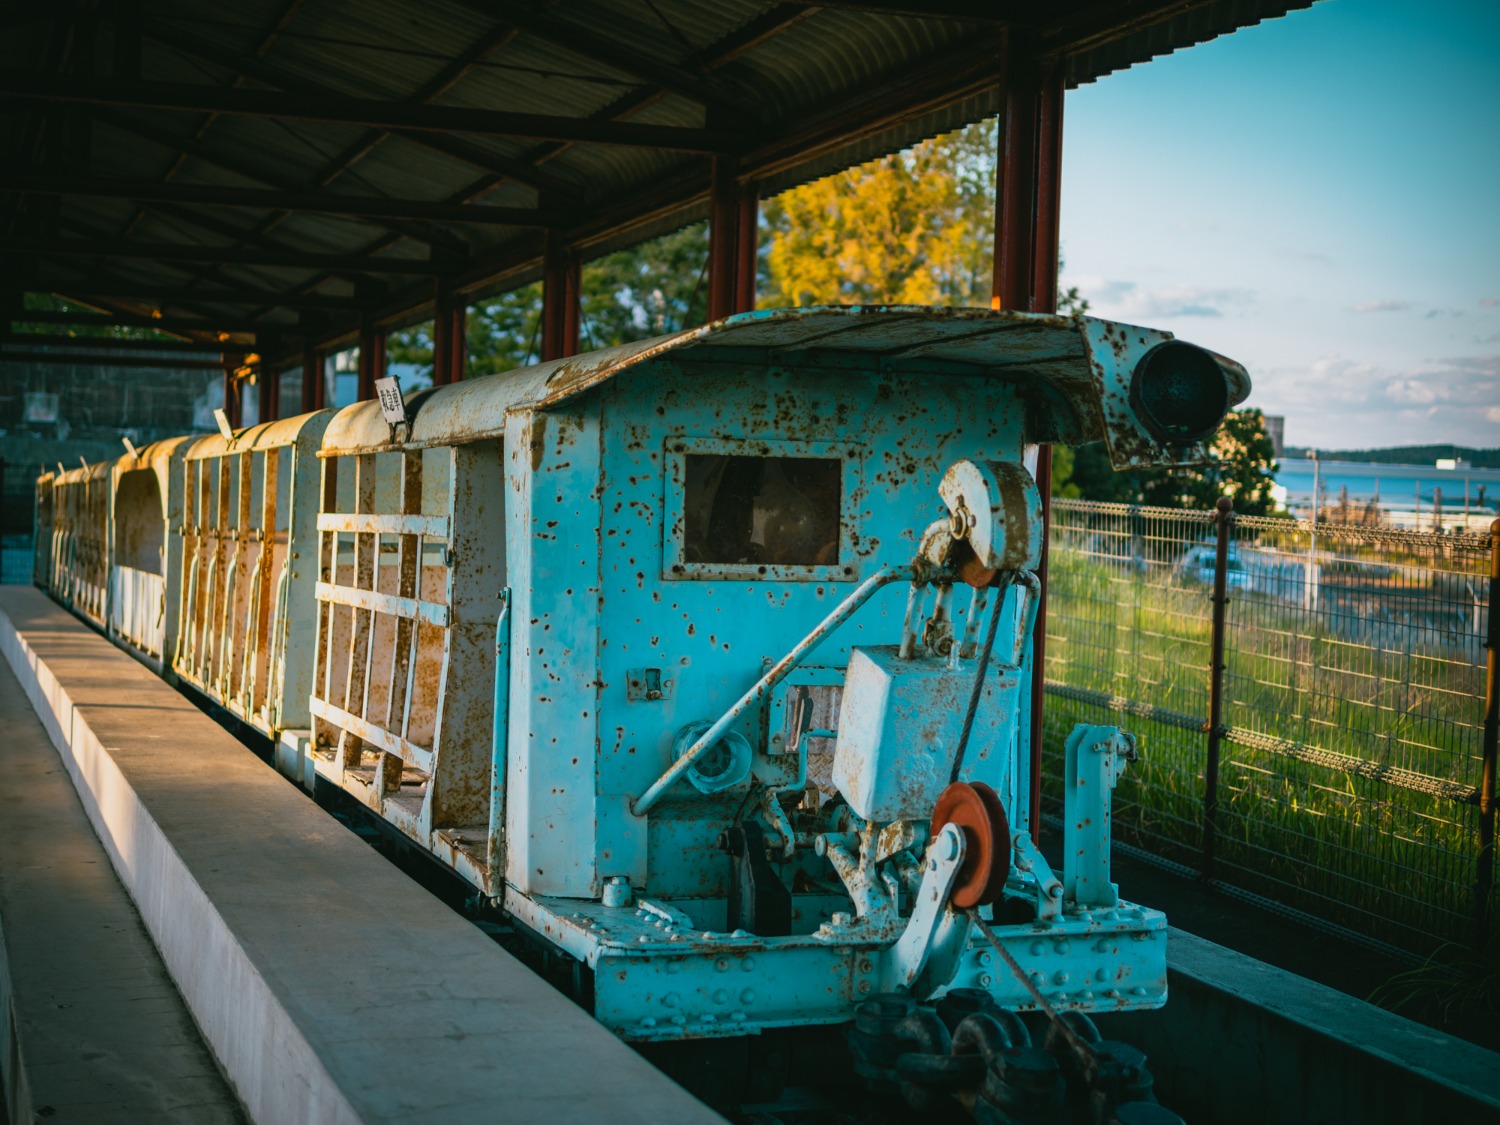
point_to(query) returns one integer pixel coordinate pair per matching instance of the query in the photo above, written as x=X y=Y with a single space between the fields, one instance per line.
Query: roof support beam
x=90 y=292
x=245 y=67
x=34 y=340
x=580 y=41
x=759 y=30
x=132 y=320
x=84 y=359
x=1002 y=12
x=237 y=255
x=322 y=203
x=338 y=109
x=255 y=172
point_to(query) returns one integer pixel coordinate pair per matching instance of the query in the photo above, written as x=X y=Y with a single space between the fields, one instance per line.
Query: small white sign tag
x=389 y=392
x=224 y=427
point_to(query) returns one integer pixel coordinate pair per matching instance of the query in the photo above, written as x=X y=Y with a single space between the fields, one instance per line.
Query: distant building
x=1276 y=430
x=1453 y=464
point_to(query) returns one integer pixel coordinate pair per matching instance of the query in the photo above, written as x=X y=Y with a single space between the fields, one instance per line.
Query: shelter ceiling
x=286 y=165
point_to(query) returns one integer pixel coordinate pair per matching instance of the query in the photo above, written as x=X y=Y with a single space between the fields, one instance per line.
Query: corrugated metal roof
x=803 y=90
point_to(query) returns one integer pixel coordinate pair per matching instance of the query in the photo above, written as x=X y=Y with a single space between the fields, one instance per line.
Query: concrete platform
x=330 y=987
x=92 y=1029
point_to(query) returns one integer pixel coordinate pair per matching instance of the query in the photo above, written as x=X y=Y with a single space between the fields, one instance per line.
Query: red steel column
x=269 y=385
x=313 y=386
x=746 y=247
x=561 y=271
x=441 y=334
x=458 y=339
x=1028 y=179
x=732 y=232
x=231 y=397
x=371 y=358
x=449 y=328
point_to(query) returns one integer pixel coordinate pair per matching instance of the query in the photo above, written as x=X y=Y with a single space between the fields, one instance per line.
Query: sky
x=1317 y=197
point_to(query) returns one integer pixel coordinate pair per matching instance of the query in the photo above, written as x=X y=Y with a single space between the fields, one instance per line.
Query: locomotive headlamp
x=1179 y=392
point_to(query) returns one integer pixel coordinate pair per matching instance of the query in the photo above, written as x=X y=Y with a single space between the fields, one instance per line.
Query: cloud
x=1381 y=306
x=1339 y=400
x=1467 y=382
x=1126 y=300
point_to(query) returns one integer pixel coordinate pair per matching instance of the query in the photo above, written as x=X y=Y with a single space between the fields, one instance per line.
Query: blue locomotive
x=707 y=658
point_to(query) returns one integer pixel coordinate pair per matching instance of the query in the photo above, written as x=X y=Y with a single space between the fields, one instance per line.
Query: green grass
x=1384 y=860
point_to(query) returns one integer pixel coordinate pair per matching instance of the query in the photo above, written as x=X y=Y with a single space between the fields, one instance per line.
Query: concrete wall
x=1241 y=1042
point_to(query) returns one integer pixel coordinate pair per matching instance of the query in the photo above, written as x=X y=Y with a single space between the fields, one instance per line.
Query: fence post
x=1485 y=869
x=1223 y=523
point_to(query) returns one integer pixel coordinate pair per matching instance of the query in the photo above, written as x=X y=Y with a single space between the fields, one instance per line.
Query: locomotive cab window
x=741 y=509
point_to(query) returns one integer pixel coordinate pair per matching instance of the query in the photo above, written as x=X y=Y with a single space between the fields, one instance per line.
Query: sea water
x=1396 y=486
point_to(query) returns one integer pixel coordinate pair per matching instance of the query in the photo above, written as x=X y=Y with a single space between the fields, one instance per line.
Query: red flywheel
x=976 y=809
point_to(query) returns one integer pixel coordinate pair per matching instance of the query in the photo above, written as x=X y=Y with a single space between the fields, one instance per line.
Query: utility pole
x=1310 y=582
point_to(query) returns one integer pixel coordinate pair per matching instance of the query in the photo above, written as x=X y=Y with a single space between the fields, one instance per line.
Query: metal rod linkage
x=846 y=609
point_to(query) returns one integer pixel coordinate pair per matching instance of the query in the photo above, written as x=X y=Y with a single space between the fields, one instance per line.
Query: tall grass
x=1386 y=860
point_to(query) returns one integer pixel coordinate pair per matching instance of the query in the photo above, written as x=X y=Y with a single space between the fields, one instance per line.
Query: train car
x=42 y=533
x=707 y=661
x=609 y=637
x=145 y=555
x=245 y=628
x=79 y=577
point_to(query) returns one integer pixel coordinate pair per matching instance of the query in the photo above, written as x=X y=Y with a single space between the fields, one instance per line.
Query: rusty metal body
x=79 y=551
x=656 y=656
x=145 y=557
x=582 y=632
x=245 y=622
x=42 y=532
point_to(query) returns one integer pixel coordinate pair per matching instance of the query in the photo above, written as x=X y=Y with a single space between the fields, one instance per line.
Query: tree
x=916 y=227
x=1242 y=467
x=646 y=290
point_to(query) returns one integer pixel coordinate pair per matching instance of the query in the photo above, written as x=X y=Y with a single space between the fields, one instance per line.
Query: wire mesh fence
x=1350 y=753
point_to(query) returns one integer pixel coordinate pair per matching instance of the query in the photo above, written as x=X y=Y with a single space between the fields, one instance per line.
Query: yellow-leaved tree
x=912 y=228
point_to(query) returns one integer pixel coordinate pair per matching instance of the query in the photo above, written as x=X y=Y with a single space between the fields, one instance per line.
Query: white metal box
x=899 y=726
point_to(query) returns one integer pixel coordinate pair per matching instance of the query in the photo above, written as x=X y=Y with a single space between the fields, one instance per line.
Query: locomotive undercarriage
x=663 y=972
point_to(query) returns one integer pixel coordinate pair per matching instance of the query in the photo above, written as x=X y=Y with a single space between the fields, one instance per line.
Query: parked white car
x=1197 y=566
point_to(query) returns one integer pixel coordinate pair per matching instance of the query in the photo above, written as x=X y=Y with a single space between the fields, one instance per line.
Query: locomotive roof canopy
x=281 y=167
x=1034 y=349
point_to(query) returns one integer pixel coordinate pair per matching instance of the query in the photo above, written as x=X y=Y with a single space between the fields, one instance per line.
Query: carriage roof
x=265 y=435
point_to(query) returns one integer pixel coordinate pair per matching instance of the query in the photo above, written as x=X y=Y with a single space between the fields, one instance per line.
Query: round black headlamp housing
x=1179 y=392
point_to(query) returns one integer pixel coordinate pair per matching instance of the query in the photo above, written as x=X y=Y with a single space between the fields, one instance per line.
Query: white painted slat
x=373 y=735
x=396 y=606
x=369 y=523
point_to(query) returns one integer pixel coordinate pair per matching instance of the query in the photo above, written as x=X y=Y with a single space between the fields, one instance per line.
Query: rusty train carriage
x=411 y=560
x=43 y=532
x=145 y=556
x=80 y=541
x=612 y=637
x=246 y=631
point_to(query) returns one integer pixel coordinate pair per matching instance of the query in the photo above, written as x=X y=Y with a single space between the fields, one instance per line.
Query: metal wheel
x=977 y=811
